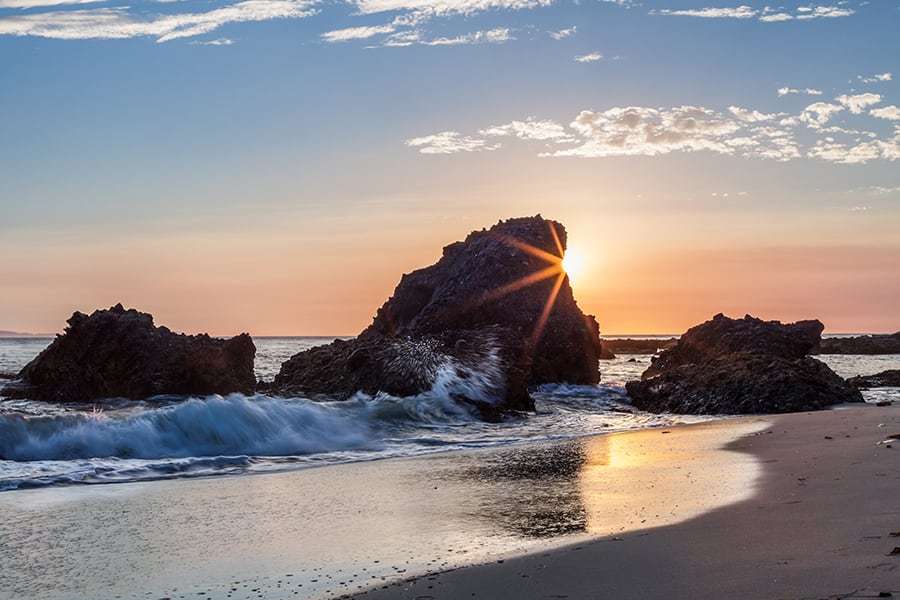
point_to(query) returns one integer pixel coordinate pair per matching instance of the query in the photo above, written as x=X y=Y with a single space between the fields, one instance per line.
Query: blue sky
x=705 y=126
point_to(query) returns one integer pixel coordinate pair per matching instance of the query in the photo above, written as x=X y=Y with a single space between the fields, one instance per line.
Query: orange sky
x=327 y=275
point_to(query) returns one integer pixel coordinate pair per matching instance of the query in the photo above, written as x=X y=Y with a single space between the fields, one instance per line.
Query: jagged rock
x=119 y=353
x=889 y=378
x=734 y=366
x=478 y=313
x=863 y=344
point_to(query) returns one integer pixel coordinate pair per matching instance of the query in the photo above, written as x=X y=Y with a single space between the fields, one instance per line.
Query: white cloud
x=563 y=33
x=877 y=78
x=449 y=142
x=739 y=12
x=588 y=58
x=419 y=10
x=216 y=42
x=817 y=114
x=857 y=103
x=492 y=36
x=891 y=113
x=117 y=23
x=767 y=15
x=42 y=3
x=784 y=91
x=823 y=12
x=530 y=129
x=356 y=33
x=750 y=116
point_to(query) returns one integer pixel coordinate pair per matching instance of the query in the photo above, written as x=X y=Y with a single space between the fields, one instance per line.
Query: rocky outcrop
x=493 y=316
x=889 y=378
x=119 y=353
x=734 y=366
x=863 y=344
x=635 y=346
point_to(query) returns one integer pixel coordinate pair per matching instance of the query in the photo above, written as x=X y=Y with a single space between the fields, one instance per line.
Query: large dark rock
x=889 y=378
x=734 y=366
x=863 y=344
x=481 y=320
x=119 y=353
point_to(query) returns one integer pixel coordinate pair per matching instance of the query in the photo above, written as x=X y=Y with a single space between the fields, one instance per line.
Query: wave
x=235 y=425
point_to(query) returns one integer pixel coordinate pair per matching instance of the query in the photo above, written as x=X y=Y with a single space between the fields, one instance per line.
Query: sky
x=273 y=166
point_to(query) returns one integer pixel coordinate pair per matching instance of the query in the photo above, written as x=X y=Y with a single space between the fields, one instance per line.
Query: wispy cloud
x=561 y=34
x=42 y=3
x=216 y=42
x=356 y=33
x=737 y=12
x=877 y=78
x=766 y=15
x=784 y=91
x=816 y=115
x=118 y=23
x=589 y=58
x=402 y=39
x=449 y=142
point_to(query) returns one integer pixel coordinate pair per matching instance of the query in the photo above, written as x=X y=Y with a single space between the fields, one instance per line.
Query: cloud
x=891 y=113
x=739 y=12
x=356 y=33
x=419 y=10
x=588 y=58
x=491 y=36
x=647 y=131
x=217 y=42
x=530 y=129
x=767 y=15
x=42 y=3
x=448 y=142
x=563 y=33
x=117 y=23
x=750 y=116
x=857 y=103
x=817 y=114
x=784 y=91
x=877 y=78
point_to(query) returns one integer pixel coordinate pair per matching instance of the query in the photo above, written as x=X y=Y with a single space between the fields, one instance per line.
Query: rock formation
x=493 y=316
x=119 y=353
x=734 y=366
x=863 y=344
x=889 y=378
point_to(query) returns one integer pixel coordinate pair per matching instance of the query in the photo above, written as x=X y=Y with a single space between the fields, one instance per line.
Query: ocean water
x=47 y=445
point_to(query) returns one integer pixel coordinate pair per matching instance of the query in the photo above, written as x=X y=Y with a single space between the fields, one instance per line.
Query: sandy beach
x=822 y=523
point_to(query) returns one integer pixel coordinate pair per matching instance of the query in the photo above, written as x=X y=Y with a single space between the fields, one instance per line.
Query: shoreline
x=818 y=526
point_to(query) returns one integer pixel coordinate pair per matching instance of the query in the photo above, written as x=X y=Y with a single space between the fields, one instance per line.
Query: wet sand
x=819 y=525
x=326 y=532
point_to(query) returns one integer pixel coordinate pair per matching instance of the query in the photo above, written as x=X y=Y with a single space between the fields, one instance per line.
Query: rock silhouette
x=889 y=378
x=863 y=344
x=119 y=353
x=482 y=320
x=734 y=366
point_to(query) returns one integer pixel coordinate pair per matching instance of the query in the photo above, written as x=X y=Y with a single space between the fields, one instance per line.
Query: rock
x=477 y=322
x=889 y=378
x=737 y=366
x=119 y=353
x=863 y=344
x=633 y=346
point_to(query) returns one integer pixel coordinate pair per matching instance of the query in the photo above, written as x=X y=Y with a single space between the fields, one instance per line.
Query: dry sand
x=819 y=525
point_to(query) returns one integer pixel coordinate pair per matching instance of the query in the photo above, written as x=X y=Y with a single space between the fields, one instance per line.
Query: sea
x=43 y=445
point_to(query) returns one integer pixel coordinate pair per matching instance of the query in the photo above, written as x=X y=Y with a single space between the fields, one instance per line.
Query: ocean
x=178 y=437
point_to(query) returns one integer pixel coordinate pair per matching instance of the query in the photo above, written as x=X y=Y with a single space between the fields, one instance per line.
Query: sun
x=573 y=264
